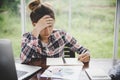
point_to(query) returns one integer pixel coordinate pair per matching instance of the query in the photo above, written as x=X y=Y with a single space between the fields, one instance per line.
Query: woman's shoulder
x=27 y=34
x=60 y=31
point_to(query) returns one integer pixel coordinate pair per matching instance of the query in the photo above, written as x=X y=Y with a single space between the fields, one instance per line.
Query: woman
x=44 y=41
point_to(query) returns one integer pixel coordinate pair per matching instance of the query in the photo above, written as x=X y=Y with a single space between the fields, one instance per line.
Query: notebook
x=64 y=61
x=97 y=74
x=8 y=69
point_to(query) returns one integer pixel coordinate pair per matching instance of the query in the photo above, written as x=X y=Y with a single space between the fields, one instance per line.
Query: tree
x=1 y=2
x=9 y=5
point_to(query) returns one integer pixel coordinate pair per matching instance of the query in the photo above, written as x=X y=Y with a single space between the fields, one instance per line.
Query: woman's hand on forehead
x=44 y=22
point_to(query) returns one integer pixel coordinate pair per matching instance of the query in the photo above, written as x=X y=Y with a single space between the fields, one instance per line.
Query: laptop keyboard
x=21 y=73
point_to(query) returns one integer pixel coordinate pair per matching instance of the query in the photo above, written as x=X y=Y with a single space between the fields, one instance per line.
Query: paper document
x=97 y=74
x=60 y=61
x=65 y=72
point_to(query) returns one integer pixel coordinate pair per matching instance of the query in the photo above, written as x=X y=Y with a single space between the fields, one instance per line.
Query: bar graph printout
x=65 y=72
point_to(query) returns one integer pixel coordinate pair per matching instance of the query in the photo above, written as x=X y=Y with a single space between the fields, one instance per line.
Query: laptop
x=9 y=70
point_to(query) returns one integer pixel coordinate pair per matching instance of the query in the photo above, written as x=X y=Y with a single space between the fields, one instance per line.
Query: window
x=90 y=22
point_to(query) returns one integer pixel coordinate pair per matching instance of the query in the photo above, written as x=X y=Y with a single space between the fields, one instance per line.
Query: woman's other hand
x=85 y=57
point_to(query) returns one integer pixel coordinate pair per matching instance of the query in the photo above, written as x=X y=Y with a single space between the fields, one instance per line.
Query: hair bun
x=34 y=4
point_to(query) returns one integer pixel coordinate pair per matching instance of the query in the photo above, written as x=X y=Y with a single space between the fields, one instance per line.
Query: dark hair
x=39 y=10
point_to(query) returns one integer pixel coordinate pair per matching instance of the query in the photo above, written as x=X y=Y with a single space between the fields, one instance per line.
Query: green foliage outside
x=92 y=25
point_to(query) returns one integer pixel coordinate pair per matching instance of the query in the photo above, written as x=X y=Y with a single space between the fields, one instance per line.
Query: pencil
x=63 y=60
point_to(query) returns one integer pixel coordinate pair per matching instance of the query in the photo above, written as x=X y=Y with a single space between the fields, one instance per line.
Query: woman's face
x=45 y=24
x=49 y=22
x=46 y=32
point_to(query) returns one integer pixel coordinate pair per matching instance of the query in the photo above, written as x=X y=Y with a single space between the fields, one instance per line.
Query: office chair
x=68 y=53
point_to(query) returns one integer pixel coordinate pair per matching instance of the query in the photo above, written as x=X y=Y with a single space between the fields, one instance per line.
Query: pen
x=50 y=71
x=63 y=60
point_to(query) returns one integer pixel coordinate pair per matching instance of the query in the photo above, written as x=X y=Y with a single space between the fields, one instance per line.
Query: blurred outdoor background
x=91 y=22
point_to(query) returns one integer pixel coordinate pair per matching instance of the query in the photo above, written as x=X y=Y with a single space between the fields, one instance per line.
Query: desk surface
x=42 y=63
x=108 y=63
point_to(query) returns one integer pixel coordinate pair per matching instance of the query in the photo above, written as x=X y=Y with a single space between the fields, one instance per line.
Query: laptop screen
x=7 y=65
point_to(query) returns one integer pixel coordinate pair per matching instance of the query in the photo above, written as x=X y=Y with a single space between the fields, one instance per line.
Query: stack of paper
x=65 y=72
